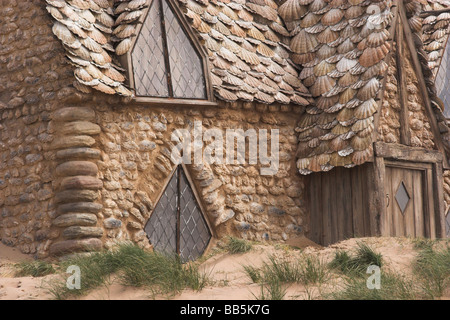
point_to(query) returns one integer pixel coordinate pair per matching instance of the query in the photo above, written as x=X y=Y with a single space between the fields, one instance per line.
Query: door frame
x=409 y=158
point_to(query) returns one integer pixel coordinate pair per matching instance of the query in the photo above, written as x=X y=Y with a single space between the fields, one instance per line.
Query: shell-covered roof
x=435 y=31
x=243 y=40
x=342 y=45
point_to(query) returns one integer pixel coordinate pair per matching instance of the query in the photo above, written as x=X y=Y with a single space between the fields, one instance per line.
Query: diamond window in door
x=402 y=197
x=165 y=61
x=177 y=224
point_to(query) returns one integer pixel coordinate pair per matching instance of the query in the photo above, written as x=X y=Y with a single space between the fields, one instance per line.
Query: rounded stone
x=81 y=153
x=81 y=182
x=75 y=219
x=76 y=232
x=79 y=207
x=76 y=196
x=74 y=114
x=79 y=245
x=77 y=168
x=112 y=223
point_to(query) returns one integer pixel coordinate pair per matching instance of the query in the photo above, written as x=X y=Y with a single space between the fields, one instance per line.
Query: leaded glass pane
x=162 y=225
x=443 y=80
x=186 y=65
x=149 y=67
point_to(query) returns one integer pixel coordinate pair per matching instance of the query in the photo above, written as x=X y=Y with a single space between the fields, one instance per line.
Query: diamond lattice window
x=402 y=197
x=177 y=223
x=442 y=80
x=165 y=61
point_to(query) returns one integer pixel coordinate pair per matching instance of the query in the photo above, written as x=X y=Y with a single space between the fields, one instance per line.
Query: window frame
x=127 y=63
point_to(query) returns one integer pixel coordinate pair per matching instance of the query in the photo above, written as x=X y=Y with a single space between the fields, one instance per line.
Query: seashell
x=302 y=58
x=314 y=165
x=345 y=115
x=304 y=42
x=265 y=50
x=323 y=68
x=64 y=34
x=362 y=124
x=360 y=143
x=249 y=57
x=415 y=23
x=345 y=46
x=100 y=59
x=310 y=20
x=104 y=88
x=367 y=131
x=83 y=75
x=245 y=15
x=338 y=143
x=377 y=70
x=317 y=5
x=434 y=55
x=372 y=56
x=434 y=45
x=347 y=95
x=340 y=129
x=366 y=109
x=322 y=85
x=297 y=99
x=124 y=46
x=327 y=36
x=121 y=90
x=347 y=80
x=264 y=98
x=360 y=157
x=332 y=17
x=345 y=152
x=377 y=38
x=291 y=10
x=324 y=103
x=325 y=52
x=226 y=95
x=114 y=74
x=345 y=64
x=302 y=163
x=369 y=90
x=353 y=12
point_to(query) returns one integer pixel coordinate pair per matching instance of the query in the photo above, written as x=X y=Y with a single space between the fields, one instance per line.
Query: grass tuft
x=235 y=245
x=34 y=269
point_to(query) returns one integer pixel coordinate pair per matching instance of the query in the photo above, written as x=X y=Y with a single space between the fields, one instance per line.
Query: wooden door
x=409 y=201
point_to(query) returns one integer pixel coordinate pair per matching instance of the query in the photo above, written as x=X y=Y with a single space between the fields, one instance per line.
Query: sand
x=226 y=271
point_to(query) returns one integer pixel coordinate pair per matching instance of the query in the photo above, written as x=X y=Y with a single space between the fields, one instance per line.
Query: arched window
x=442 y=80
x=166 y=60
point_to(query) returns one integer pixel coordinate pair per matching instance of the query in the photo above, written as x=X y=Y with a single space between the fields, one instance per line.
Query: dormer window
x=443 y=80
x=166 y=60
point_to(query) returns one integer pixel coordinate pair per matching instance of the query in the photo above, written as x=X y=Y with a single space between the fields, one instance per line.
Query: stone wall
x=135 y=164
x=419 y=126
x=34 y=81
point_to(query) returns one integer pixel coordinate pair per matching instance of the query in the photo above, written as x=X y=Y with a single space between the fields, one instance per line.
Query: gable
x=244 y=41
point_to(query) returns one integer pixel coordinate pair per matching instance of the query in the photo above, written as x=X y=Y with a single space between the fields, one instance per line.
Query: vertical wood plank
x=347 y=204
x=334 y=207
x=438 y=191
x=431 y=207
x=409 y=214
x=378 y=197
x=326 y=234
x=418 y=181
x=315 y=212
x=387 y=220
x=357 y=201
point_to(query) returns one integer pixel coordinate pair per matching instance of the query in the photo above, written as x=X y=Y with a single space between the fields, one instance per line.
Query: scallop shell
x=64 y=34
x=353 y=12
x=340 y=129
x=345 y=64
x=323 y=68
x=304 y=42
x=360 y=143
x=327 y=36
x=332 y=17
x=309 y=20
x=124 y=46
x=366 y=109
x=338 y=143
x=114 y=74
x=415 y=23
x=377 y=38
x=372 y=56
x=362 y=124
x=303 y=163
x=347 y=80
x=325 y=52
x=324 y=103
x=291 y=10
x=104 y=88
x=345 y=115
x=369 y=90
x=322 y=85
x=347 y=95
x=360 y=157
